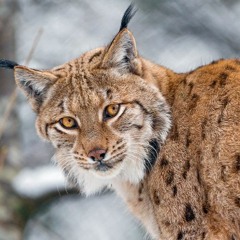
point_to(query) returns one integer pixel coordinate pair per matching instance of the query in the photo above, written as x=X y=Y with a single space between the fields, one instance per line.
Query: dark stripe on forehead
x=109 y=94
x=61 y=106
x=78 y=76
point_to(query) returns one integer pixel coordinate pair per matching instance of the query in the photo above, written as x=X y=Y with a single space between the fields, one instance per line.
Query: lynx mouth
x=107 y=166
x=103 y=167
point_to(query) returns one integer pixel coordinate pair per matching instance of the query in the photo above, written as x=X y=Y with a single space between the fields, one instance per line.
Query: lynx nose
x=97 y=154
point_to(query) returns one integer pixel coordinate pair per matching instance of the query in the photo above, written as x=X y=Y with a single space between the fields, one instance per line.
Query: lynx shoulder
x=168 y=143
x=194 y=185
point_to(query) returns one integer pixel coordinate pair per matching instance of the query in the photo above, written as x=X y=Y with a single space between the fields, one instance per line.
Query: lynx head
x=101 y=113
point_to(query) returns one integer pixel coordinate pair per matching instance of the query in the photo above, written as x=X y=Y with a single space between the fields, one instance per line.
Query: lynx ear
x=122 y=53
x=34 y=84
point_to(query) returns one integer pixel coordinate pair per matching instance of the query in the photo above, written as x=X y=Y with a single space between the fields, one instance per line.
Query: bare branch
x=12 y=99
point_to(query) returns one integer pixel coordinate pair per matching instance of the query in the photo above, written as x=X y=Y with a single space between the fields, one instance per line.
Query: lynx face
x=102 y=114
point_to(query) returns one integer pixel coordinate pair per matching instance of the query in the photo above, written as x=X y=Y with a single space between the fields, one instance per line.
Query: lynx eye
x=68 y=123
x=111 y=111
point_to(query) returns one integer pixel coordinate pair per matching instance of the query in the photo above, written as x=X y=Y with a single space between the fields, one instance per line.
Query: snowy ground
x=71 y=217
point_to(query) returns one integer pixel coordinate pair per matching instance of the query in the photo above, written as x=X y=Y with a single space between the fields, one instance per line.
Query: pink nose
x=97 y=154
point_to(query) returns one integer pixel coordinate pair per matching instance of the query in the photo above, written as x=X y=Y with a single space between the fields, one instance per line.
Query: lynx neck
x=163 y=78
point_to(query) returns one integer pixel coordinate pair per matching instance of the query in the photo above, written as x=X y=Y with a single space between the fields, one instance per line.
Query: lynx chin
x=167 y=143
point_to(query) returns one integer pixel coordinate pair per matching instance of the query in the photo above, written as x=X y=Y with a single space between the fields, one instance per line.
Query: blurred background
x=35 y=203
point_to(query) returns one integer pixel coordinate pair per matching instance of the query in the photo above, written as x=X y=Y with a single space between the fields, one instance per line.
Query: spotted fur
x=202 y=151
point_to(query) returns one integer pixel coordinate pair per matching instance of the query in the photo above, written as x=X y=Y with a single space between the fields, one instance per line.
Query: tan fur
x=195 y=185
x=193 y=190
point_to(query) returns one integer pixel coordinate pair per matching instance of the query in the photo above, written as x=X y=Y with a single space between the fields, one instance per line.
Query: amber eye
x=68 y=122
x=111 y=111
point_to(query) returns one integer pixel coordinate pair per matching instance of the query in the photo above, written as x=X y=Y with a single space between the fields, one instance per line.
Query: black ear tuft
x=7 y=64
x=129 y=13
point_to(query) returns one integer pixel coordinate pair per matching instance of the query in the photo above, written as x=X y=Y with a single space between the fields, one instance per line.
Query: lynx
x=167 y=143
